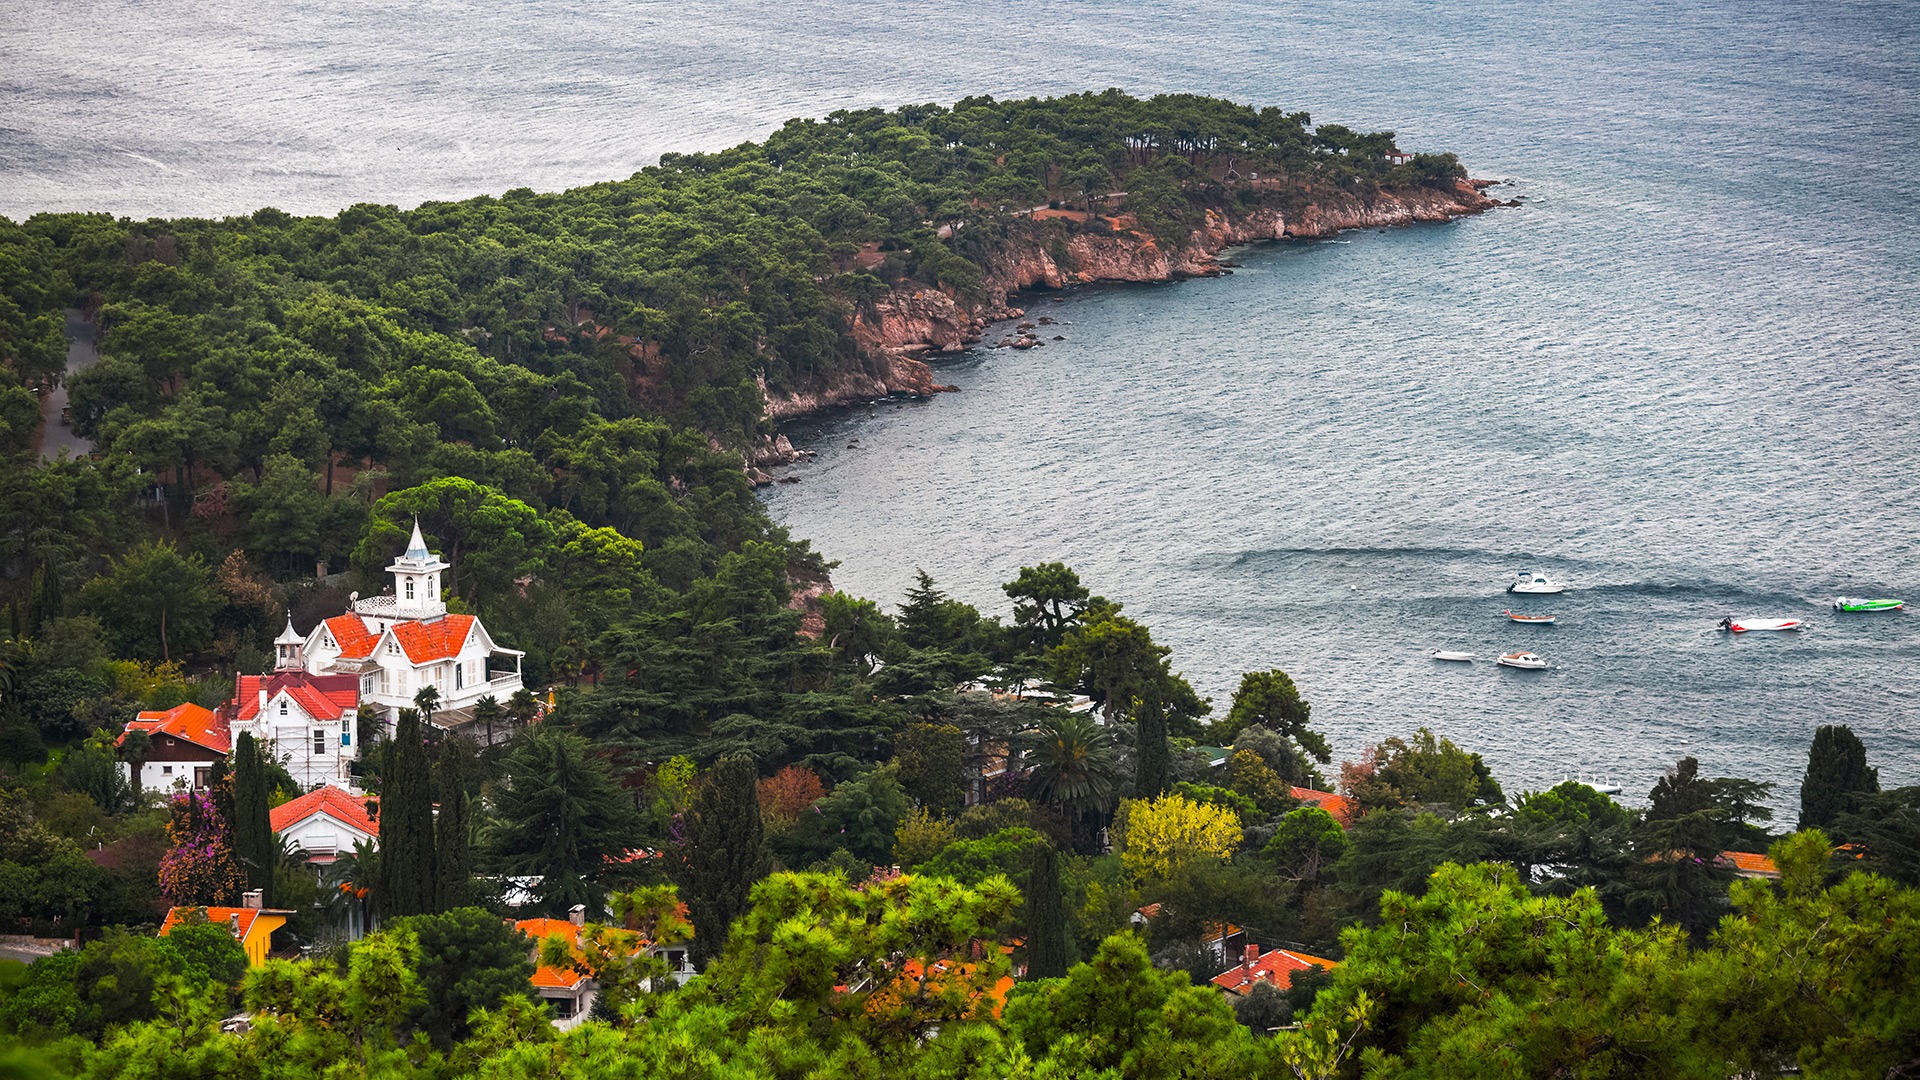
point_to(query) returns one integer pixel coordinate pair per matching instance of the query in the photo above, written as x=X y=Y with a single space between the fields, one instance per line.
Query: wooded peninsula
x=403 y=677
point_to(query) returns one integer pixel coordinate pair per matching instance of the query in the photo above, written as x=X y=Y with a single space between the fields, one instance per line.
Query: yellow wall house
x=252 y=927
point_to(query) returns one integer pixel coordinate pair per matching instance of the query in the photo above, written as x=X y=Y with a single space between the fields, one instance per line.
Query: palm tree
x=1075 y=769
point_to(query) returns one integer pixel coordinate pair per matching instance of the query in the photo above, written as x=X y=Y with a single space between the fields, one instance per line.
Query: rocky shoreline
x=908 y=323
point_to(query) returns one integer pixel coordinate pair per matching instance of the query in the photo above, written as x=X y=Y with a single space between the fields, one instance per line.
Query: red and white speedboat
x=1741 y=626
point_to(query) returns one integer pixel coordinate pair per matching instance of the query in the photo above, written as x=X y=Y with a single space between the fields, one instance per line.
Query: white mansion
x=399 y=644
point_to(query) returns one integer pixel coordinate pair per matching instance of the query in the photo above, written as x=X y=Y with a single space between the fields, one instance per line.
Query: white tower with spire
x=416 y=580
x=289 y=649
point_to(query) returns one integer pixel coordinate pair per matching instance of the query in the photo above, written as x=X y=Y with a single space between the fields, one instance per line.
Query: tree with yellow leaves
x=1171 y=832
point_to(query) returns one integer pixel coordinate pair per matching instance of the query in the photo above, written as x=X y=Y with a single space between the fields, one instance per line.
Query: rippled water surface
x=1682 y=377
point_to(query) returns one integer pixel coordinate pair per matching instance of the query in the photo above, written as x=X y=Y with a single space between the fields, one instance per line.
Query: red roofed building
x=325 y=823
x=399 y=643
x=303 y=721
x=251 y=926
x=1277 y=967
x=569 y=992
x=185 y=742
x=1343 y=809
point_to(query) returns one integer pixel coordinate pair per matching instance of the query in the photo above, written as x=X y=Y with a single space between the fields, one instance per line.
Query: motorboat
x=1850 y=603
x=1526 y=660
x=1533 y=620
x=1526 y=581
x=1741 y=626
x=1448 y=654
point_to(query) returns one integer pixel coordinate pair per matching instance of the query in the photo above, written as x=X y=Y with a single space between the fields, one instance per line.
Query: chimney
x=233 y=924
x=263 y=695
x=255 y=898
x=1250 y=956
x=577 y=914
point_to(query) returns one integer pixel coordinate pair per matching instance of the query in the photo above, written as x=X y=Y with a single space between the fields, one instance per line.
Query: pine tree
x=406 y=822
x=453 y=846
x=558 y=815
x=253 y=839
x=1836 y=770
x=723 y=854
x=1046 y=916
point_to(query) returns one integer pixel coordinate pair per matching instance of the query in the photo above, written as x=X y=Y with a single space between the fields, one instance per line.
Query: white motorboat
x=1526 y=581
x=1741 y=626
x=1526 y=660
x=1448 y=654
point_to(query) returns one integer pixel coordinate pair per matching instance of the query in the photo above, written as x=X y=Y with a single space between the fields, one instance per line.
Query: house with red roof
x=325 y=823
x=252 y=925
x=568 y=991
x=403 y=641
x=1277 y=967
x=184 y=744
x=302 y=720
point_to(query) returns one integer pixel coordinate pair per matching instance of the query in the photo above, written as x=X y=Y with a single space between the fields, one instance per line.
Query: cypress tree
x=724 y=854
x=253 y=839
x=1046 y=916
x=1836 y=770
x=406 y=822
x=453 y=845
x=1151 y=763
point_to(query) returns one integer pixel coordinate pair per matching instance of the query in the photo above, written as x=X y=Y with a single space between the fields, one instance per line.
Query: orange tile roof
x=1747 y=862
x=433 y=639
x=1343 y=809
x=188 y=722
x=219 y=916
x=352 y=635
x=329 y=800
x=539 y=930
x=1277 y=967
x=324 y=697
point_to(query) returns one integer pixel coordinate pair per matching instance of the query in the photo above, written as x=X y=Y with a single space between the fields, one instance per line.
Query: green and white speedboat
x=1850 y=603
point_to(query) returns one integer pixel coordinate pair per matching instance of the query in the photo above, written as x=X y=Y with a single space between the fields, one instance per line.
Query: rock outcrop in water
x=1059 y=252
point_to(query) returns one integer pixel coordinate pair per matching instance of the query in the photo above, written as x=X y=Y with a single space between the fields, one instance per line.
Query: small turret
x=289 y=649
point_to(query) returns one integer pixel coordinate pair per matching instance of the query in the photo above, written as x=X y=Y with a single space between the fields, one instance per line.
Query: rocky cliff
x=1059 y=254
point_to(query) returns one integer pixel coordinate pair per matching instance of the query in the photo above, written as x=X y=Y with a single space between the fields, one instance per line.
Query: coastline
x=1062 y=250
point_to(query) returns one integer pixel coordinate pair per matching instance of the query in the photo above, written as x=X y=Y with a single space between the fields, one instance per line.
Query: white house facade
x=403 y=642
x=303 y=721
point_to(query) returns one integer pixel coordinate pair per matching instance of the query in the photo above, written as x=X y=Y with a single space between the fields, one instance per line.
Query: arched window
x=409 y=588
x=283 y=706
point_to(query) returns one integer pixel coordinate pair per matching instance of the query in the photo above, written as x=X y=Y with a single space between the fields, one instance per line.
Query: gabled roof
x=327 y=800
x=189 y=723
x=1343 y=809
x=427 y=640
x=1277 y=967
x=324 y=697
x=351 y=635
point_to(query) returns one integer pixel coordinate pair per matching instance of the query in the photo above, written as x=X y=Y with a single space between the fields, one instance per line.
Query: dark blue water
x=1683 y=377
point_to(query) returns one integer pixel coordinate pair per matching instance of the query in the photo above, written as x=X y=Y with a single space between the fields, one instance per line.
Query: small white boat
x=1448 y=654
x=1531 y=620
x=1526 y=660
x=1526 y=581
x=1741 y=626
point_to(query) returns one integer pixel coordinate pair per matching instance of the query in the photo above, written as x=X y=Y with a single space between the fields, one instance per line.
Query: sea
x=1682 y=376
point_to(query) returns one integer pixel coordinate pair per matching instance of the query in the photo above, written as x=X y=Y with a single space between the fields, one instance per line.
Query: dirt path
x=56 y=436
